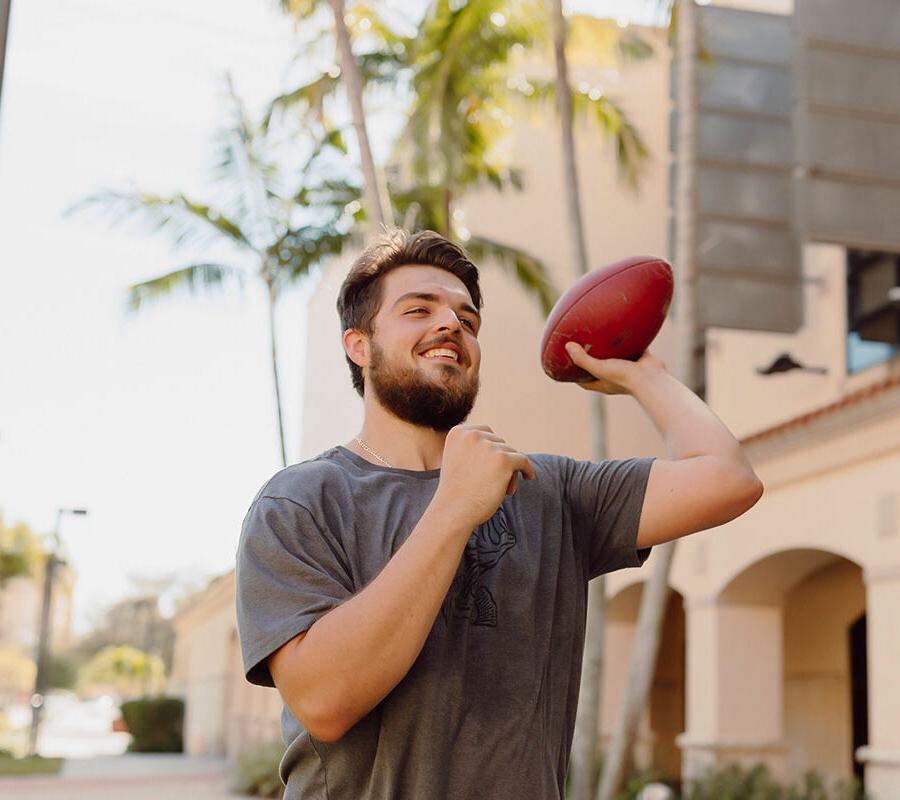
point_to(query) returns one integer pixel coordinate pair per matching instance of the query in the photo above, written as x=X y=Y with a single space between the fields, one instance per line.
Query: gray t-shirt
x=487 y=710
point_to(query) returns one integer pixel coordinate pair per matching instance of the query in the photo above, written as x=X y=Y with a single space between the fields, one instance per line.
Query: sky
x=161 y=424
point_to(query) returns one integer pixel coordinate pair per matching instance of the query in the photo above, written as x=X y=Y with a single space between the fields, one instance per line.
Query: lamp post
x=40 y=678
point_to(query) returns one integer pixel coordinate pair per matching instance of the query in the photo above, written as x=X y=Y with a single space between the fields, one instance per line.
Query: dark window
x=873 y=308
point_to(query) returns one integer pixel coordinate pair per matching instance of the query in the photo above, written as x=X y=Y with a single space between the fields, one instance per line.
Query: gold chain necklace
x=368 y=449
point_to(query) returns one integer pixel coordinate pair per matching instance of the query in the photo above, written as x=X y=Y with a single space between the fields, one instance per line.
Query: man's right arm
x=333 y=674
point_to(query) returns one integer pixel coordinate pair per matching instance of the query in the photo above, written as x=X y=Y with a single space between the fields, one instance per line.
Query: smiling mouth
x=440 y=354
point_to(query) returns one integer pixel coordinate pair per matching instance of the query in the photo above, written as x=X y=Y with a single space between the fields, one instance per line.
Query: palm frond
x=333 y=193
x=243 y=163
x=528 y=271
x=188 y=222
x=310 y=97
x=590 y=103
x=295 y=254
x=193 y=278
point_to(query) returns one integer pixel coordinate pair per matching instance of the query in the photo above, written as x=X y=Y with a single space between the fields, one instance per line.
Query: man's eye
x=469 y=323
x=414 y=310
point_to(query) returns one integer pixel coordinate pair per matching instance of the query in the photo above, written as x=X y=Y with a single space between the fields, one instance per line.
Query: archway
x=663 y=719
x=806 y=609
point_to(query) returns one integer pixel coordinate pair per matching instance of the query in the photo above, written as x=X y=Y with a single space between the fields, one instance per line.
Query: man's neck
x=396 y=442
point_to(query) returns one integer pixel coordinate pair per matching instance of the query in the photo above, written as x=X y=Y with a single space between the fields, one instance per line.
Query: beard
x=438 y=402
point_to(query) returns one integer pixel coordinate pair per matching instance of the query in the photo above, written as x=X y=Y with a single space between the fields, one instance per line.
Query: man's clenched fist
x=478 y=470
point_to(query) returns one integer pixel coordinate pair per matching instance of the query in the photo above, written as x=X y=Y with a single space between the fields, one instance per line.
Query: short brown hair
x=360 y=296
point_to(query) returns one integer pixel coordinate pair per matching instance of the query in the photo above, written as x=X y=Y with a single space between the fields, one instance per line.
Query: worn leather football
x=613 y=312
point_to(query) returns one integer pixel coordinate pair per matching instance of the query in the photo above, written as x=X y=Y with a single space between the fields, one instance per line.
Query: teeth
x=439 y=351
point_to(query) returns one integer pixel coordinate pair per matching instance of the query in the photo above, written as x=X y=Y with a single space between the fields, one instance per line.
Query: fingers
x=522 y=464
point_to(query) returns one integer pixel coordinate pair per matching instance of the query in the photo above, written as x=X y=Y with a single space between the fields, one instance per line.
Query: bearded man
x=418 y=595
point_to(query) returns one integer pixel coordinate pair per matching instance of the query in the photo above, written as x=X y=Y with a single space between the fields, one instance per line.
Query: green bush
x=737 y=783
x=155 y=724
x=62 y=672
x=256 y=772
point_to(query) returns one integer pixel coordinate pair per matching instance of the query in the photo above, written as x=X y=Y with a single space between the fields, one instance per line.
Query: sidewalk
x=133 y=776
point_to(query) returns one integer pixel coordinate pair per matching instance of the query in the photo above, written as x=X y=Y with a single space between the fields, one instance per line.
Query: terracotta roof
x=804 y=419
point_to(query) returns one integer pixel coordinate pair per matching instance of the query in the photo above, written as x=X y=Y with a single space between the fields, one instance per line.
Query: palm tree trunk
x=374 y=191
x=653 y=600
x=585 y=746
x=564 y=106
x=277 y=382
x=448 y=212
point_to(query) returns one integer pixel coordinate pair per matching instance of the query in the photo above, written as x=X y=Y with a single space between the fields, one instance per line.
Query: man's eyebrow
x=432 y=298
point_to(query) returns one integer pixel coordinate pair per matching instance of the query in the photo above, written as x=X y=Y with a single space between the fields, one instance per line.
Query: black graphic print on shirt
x=469 y=597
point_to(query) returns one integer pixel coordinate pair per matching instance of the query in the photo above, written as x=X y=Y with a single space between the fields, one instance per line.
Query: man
x=418 y=595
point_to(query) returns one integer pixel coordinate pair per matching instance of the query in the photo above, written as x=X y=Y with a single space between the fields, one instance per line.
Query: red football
x=613 y=312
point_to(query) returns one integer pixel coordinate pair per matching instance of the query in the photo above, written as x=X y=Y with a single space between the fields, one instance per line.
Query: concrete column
x=882 y=756
x=734 y=687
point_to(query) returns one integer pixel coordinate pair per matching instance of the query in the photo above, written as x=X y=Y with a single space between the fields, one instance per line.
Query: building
x=781 y=642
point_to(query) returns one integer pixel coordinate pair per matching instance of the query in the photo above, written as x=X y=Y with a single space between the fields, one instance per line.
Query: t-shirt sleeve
x=606 y=500
x=288 y=573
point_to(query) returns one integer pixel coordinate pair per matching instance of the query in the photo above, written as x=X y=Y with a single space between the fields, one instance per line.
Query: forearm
x=353 y=656
x=688 y=426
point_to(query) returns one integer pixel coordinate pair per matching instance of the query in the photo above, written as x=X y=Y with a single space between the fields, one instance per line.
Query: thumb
x=577 y=353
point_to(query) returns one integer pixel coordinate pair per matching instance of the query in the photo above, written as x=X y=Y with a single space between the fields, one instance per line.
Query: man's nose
x=448 y=320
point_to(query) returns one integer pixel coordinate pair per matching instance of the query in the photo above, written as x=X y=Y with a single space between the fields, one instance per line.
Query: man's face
x=425 y=355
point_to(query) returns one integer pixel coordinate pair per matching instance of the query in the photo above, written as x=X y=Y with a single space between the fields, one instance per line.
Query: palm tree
x=656 y=591
x=279 y=221
x=376 y=198
x=630 y=153
x=456 y=66
x=464 y=88
x=585 y=755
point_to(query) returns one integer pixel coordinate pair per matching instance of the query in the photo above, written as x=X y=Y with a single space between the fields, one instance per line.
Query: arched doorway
x=824 y=633
x=664 y=717
x=804 y=608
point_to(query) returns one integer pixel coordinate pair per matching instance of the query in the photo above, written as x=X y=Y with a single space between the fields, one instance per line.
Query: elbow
x=328 y=731
x=323 y=722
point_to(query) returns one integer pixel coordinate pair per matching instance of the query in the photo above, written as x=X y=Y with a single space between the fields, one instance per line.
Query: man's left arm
x=706 y=480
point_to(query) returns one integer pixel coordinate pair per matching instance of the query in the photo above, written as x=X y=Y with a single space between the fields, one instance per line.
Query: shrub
x=155 y=724
x=256 y=772
x=737 y=783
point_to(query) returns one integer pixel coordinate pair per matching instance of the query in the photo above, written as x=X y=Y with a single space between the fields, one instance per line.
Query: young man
x=418 y=595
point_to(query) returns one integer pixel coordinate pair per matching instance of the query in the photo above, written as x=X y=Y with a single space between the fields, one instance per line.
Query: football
x=613 y=312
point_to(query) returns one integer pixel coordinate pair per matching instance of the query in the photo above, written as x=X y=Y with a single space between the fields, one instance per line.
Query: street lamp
x=40 y=678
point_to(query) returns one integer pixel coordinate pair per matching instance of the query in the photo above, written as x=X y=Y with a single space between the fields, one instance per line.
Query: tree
x=134 y=621
x=583 y=770
x=20 y=551
x=279 y=219
x=465 y=85
x=656 y=591
x=124 y=670
x=377 y=200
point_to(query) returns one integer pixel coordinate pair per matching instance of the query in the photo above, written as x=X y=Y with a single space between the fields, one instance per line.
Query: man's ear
x=357 y=347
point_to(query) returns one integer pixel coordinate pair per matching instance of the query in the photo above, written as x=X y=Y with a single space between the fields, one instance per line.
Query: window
x=873 y=308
